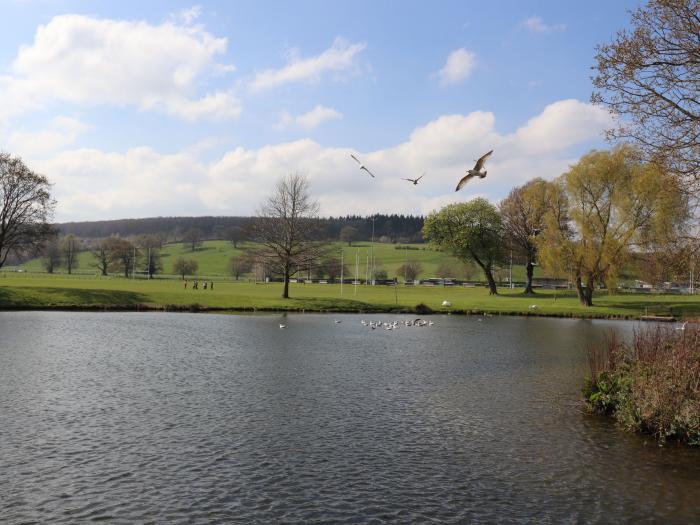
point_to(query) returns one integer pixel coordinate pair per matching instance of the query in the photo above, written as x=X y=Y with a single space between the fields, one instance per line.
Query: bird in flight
x=415 y=181
x=362 y=166
x=476 y=172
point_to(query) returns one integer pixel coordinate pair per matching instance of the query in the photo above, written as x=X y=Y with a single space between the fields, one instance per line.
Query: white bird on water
x=682 y=327
x=283 y=325
x=362 y=166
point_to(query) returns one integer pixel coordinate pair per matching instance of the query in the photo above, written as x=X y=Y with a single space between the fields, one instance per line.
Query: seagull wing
x=370 y=173
x=419 y=178
x=464 y=180
x=480 y=163
x=356 y=160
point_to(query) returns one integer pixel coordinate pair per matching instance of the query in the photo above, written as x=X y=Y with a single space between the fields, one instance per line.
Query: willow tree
x=471 y=231
x=617 y=206
x=285 y=227
x=523 y=214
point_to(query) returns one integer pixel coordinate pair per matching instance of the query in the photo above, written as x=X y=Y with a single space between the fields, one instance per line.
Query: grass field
x=213 y=258
x=44 y=291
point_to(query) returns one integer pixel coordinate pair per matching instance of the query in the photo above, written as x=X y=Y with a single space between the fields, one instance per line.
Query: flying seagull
x=476 y=172
x=362 y=166
x=415 y=181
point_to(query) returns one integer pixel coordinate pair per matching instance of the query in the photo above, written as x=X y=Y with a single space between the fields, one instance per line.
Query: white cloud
x=309 y=120
x=61 y=132
x=535 y=24
x=458 y=67
x=90 y=61
x=90 y=184
x=340 y=56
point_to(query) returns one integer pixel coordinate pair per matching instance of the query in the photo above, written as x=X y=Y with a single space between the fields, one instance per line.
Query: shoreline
x=199 y=308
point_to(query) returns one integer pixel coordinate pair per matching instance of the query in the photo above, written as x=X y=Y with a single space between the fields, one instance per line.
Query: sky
x=141 y=109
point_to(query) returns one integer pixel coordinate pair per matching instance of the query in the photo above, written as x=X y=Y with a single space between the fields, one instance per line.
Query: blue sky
x=173 y=108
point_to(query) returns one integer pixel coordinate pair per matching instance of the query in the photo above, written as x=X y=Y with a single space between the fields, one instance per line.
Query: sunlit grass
x=36 y=291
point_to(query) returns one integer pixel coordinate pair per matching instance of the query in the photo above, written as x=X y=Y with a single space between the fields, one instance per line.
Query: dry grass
x=650 y=384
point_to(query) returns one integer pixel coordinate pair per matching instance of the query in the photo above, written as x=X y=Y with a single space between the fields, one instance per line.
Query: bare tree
x=26 y=207
x=100 y=252
x=185 y=267
x=52 y=255
x=650 y=75
x=410 y=270
x=235 y=235
x=285 y=225
x=121 y=254
x=349 y=234
x=70 y=247
x=193 y=237
x=523 y=214
x=240 y=264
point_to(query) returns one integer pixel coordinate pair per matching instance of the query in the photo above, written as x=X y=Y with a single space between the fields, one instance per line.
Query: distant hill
x=398 y=228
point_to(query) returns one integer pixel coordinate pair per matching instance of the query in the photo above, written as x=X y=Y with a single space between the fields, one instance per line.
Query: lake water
x=191 y=418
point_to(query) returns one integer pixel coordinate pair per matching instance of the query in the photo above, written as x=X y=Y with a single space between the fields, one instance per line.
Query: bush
x=651 y=384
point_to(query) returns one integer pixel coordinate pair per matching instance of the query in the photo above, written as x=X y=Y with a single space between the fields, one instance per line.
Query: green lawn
x=44 y=291
x=213 y=258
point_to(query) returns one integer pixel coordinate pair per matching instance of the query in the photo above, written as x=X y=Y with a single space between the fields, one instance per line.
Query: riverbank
x=649 y=385
x=45 y=292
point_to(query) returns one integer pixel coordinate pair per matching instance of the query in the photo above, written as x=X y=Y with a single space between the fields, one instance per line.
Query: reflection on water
x=211 y=418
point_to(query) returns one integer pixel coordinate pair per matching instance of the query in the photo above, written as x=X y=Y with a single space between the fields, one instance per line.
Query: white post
x=357 y=267
x=148 y=268
x=342 y=259
x=372 y=276
x=133 y=265
x=510 y=275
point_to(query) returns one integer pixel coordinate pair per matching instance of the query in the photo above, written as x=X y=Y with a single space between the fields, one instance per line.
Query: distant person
x=195 y=285
x=185 y=284
x=205 y=285
x=211 y=285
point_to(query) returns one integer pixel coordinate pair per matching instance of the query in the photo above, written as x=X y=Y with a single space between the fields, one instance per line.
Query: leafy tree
x=70 y=248
x=471 y=231
x=285 y=228
x=240 y=264
x=523 y=214
x=52 y=255
x=650 y=75
x=193 y=238
x=349 y=234
x=617 y=205
x=26 y=207
x=410 y=270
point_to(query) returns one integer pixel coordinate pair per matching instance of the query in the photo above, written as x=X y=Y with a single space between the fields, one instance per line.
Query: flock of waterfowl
x=395 y=325
x=476 y=171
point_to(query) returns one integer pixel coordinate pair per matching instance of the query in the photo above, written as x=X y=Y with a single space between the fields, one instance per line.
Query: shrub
x=651 y=384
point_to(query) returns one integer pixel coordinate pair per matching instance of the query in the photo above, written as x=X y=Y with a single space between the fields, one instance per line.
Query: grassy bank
x=42 y=291
x=650 y=385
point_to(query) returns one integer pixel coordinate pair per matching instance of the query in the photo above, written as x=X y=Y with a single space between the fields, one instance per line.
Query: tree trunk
x=530 y=270
x=285 y=293
x=585 y=294
x=492 y=283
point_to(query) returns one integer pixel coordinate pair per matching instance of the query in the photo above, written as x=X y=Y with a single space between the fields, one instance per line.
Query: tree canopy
x=471 y=231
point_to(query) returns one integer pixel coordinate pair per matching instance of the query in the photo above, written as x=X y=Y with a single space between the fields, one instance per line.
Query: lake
x=193 y=418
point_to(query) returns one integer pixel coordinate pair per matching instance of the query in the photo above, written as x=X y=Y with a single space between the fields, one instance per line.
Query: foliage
x=193 y=238
x=650 y=75
x=121 y=254
x=70 y=247
x=651 y=384
x=52 y=255
x=471 y=231
x=617 y=205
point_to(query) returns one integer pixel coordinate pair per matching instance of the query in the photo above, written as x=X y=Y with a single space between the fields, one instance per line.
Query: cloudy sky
x=137 y=109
